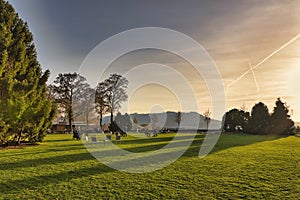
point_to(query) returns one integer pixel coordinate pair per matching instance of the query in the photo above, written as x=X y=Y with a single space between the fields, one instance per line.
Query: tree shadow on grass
x=65 y=147
x=76 y=157
x=58 y=140
x=69 y=158
x=35 y=182
x=228 y=141
x=59 y=159
x=147 y=140
x=46 y=150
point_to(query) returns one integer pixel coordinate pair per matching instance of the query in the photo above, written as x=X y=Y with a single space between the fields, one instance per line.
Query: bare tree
x=101 y=101
x=83 y=103
x=207 y=118
x=178 y=118
x=65 y=88
x=116 y=93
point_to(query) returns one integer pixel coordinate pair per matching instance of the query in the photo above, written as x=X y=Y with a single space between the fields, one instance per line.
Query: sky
x=235 y=34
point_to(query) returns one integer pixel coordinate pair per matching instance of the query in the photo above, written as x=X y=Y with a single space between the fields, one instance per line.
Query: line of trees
x=28 y=105
x=260 y=121
x=74 y=96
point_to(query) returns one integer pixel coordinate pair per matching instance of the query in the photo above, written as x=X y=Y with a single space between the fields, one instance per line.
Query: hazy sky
x=233 y=32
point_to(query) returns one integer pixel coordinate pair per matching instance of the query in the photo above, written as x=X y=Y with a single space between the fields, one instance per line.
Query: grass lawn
x=240 y=167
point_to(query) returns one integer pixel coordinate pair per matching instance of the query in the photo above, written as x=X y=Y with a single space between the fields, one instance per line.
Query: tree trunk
x=87 y=120
x=100 y=122
x=111 y=117
x=70 y=125
x=19 y=137
x=70 y=114
x=71 y=111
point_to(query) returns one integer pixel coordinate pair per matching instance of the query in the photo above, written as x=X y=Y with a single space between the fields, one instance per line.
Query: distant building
x=60 y=125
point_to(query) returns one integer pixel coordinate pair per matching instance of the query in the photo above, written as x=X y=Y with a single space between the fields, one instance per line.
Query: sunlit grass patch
x=240 y=166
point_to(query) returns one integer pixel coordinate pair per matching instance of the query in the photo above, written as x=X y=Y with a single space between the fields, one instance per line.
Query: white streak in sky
x=254 y=77
x=264 y=60
x=255 y=81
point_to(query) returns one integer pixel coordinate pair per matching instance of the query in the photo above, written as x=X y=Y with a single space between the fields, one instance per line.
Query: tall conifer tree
x=26 y=113
x=280 y=121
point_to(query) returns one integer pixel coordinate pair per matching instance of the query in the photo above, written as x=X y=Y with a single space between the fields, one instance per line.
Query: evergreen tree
x=280 y=122
x=259 y=119
x=26 y=112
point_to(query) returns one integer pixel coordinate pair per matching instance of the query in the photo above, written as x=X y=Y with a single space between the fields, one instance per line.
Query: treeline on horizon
x=260 y=121
x=28 y=105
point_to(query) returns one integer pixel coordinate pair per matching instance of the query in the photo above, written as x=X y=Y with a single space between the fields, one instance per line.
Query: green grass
x=240 y=167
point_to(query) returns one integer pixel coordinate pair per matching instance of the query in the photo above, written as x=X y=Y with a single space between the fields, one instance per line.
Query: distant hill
x=166 y=119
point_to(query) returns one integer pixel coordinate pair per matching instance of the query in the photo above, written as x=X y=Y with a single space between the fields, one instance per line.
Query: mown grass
x=240 y=167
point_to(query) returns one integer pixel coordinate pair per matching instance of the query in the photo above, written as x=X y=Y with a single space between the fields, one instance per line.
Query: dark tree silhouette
x=235 y=119
x=280 y=122
x=259 y=120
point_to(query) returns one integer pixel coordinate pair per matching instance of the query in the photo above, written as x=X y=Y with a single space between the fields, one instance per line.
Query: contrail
x=264 y=60
x=254 y=78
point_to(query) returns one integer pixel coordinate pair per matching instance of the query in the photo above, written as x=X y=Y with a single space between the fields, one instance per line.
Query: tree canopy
x=110 y=94
x=235 y=120
x=26 y=111
x=69 y=89
x=101 y=101
x=280 y=122
x=116 y=92
x=260 y=121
